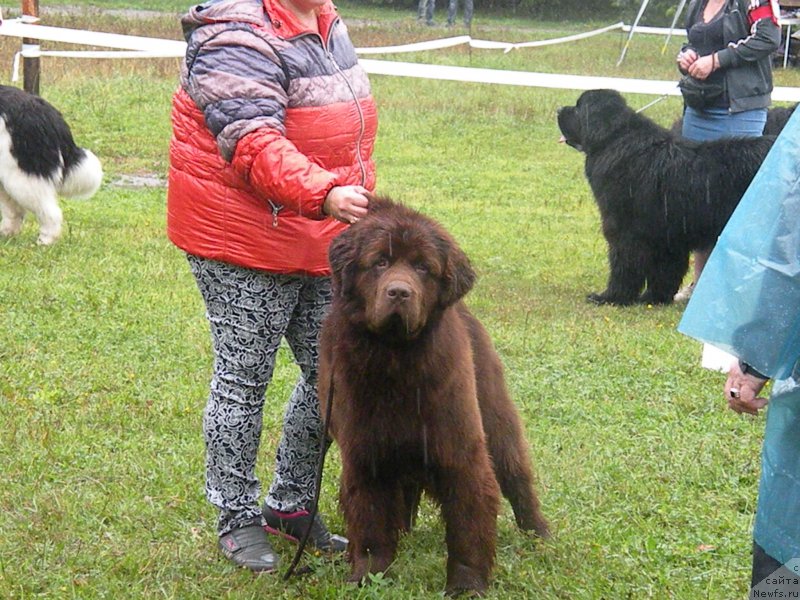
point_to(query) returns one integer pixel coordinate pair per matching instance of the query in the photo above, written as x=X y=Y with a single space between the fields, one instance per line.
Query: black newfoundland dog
x=660 y=196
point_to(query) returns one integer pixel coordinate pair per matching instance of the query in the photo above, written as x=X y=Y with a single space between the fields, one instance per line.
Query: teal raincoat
x=748 y=303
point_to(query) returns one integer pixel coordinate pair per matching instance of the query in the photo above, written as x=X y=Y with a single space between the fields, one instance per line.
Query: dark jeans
x=425 y=11
x=451 y=12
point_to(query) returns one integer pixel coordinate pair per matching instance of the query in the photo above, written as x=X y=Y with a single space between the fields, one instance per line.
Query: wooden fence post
x=30 y=64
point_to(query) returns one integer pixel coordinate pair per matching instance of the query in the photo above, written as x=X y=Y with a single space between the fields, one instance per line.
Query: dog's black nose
x=398 y=291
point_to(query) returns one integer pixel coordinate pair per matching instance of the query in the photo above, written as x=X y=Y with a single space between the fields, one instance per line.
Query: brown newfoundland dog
x=419 y=401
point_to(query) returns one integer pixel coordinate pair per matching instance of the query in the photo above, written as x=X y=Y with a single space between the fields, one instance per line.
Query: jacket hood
x=223 y=11
x=253 y=12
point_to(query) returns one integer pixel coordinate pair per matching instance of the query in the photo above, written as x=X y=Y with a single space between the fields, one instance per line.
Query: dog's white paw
x=46 y=239
x=9 y=228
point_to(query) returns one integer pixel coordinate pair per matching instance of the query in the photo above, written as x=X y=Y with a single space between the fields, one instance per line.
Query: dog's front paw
x=605 y=298
x=596 y=299
x=10 y=228
x=601 y=299
x=46 y=240
x=537 y=524
x=462 y=579
x=365 y=565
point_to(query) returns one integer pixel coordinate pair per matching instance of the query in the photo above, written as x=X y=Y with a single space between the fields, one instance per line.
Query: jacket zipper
x=276 y=208
x=362 y=125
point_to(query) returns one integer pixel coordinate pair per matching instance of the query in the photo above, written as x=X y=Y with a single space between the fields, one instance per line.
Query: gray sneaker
x=685 y=293
x=247 y=546
x=293 y=526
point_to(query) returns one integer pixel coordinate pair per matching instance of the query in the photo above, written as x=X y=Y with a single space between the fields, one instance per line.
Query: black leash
x=318 y=483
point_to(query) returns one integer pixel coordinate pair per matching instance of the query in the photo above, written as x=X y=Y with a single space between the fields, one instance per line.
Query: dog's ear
x=458 y=276
x=342 y=255
x=379 y=203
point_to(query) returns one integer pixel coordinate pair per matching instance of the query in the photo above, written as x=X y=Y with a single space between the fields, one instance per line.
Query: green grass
x=649 y=483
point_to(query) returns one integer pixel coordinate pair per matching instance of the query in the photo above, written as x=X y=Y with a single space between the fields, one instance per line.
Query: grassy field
x=648 y=481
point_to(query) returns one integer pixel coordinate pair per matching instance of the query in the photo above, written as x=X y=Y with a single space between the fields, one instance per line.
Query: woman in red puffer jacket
x=271 y=157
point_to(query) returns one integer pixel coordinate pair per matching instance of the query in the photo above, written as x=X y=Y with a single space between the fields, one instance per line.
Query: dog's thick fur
x=419 y=398
x=39 y=161
x=660 y=197
x=777 y=118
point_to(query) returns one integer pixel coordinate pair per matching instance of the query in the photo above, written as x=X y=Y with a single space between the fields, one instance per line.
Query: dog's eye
x=382 y=263
x=421 y=268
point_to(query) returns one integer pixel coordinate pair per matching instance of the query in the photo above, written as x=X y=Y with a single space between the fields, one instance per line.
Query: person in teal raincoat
x=748 y=303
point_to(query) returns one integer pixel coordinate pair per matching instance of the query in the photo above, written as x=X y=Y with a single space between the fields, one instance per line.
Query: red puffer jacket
x=268 y=118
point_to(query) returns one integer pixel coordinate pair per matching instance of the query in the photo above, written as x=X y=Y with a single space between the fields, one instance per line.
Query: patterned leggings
x=250 y=312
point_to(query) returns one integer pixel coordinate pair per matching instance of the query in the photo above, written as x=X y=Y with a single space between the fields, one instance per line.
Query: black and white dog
x=38 y=162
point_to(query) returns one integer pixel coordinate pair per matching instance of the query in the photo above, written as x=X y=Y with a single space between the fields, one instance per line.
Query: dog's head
x=396 y=270
x=594 y=120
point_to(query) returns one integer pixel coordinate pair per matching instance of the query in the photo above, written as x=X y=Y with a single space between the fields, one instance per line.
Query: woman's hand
x=346 y=203
x=742 y=391
x=686 y=59
x=702 y=67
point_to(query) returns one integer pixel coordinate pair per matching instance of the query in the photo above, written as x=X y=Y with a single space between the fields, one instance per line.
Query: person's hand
x=346 y=203
x=686 y=59
x=702 y=67
x=742 y=391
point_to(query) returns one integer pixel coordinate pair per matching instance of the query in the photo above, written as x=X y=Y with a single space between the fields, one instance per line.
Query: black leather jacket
x=746 y=59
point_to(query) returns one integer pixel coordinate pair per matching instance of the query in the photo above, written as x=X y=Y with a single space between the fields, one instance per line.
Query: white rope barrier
x=520 y=78
x=173 y=48
x=418 y=46
x=34 y=51
x=485 y=44
x=18 y=28
x=655 y=30
x=569 y=38
x=99 y=53
x=141 y=47
x=542 y=80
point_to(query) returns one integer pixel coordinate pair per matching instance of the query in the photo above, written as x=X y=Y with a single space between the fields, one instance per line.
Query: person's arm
x=688 y=54
x=742 y=388
x=239 y=82
x=686 y=57
x=763 y=39
x=347 y=203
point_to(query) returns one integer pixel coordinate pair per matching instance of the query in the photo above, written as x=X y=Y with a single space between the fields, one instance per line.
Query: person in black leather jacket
x=730 y=43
